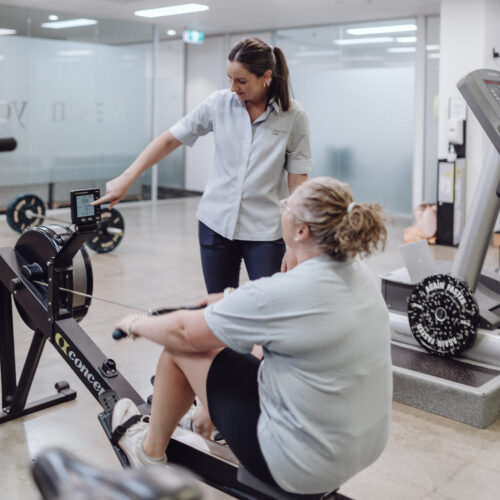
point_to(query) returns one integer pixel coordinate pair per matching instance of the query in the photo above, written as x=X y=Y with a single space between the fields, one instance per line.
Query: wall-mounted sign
x=191 y=36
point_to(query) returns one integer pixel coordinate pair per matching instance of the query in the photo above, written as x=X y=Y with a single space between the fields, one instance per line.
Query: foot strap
x=122 y=429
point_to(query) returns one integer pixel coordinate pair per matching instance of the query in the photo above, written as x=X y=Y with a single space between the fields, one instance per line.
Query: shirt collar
x=272 y=103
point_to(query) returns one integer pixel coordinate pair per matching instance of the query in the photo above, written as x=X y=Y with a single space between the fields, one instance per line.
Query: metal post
x=28 y=373
x=154 y=125
x=480 y=223
x=7 y=354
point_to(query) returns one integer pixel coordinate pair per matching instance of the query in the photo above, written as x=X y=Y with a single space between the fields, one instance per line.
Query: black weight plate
x=443 y=315
x=103 y=241
x=18 y=208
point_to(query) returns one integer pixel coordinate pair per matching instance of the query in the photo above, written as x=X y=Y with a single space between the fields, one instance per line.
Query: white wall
x=469 y=30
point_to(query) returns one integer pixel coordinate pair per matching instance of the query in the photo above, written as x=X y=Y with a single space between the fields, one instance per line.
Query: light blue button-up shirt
x=248 y=178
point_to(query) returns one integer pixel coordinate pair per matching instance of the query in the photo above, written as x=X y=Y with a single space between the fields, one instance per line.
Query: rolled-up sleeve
x=196 y=123
x=236 y=319
x=298 y=151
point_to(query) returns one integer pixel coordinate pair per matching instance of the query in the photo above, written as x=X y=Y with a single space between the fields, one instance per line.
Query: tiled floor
x=157 y=264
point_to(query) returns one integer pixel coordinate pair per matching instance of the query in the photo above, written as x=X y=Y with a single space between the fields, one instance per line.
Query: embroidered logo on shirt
x=278 y=131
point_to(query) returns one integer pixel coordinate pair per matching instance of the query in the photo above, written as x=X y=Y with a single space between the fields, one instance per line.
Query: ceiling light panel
x=401 y=50
x=173 y=10
x=406 y=39
x=377 y=30
x=69 y=23
x=76 y=52
x=315 y=53
x=362 y=41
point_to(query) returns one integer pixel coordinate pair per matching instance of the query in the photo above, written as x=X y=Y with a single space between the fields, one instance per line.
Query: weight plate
x=109 y=233
x=443 y=315
x=24 y=211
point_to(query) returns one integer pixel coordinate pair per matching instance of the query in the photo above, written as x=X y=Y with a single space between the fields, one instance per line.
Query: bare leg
x=257 y=351
x=202 y=422
x=178 y=377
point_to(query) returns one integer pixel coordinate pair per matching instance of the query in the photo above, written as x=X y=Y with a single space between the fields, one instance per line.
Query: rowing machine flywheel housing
x=40 y=244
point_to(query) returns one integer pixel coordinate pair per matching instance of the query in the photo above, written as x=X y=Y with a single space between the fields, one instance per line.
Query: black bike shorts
x=233 y=404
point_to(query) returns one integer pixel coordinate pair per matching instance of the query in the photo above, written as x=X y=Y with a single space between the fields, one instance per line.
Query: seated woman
x=316 y=410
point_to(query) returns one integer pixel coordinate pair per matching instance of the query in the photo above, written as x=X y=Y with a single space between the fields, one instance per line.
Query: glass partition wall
x=357 y=84
x=78 y=101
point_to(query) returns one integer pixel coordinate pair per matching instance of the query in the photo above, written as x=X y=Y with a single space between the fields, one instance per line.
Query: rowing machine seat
x=247 y=478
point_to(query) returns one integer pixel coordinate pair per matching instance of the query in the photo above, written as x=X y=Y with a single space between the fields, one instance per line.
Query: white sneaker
x=187 y=421
x=217 y=437
x=132 y=438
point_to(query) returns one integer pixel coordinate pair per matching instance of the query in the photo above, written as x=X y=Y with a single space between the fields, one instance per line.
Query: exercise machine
x=49 y=277
x=454 y=311
x=29 y=210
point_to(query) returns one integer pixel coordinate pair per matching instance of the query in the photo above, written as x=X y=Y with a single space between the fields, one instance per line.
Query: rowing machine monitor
x=85 y=216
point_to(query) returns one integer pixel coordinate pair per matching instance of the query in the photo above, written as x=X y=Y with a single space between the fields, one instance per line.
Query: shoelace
x=139 y=426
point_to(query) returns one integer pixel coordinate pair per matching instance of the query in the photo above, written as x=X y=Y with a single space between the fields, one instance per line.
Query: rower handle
x=120 y=334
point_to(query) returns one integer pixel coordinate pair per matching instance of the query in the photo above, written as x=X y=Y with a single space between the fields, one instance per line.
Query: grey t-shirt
x=325 y=383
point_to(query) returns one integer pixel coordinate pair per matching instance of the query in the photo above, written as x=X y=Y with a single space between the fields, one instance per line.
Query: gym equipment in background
x=455 y=309
x=29 y=210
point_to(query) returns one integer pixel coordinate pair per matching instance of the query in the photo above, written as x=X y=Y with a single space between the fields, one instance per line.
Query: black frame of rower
x=214 y=463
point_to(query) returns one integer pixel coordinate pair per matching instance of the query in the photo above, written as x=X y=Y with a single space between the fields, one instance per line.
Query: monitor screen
x=83 y=206
x=82 y=212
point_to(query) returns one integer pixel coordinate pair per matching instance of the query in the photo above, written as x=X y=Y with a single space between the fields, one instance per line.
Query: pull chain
x=129 y=306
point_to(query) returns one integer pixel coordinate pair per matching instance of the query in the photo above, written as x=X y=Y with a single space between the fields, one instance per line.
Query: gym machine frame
x=54 y=321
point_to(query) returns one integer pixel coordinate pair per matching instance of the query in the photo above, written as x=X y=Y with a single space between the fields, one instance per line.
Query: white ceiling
x=224 y=16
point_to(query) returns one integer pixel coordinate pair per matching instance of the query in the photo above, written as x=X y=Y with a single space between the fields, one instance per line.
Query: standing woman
x=262 y=153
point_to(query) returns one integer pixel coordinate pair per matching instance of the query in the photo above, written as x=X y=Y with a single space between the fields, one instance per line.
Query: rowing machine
x=44 y=273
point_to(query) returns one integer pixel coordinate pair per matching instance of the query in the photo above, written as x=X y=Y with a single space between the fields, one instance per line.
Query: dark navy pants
x=221 y=258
